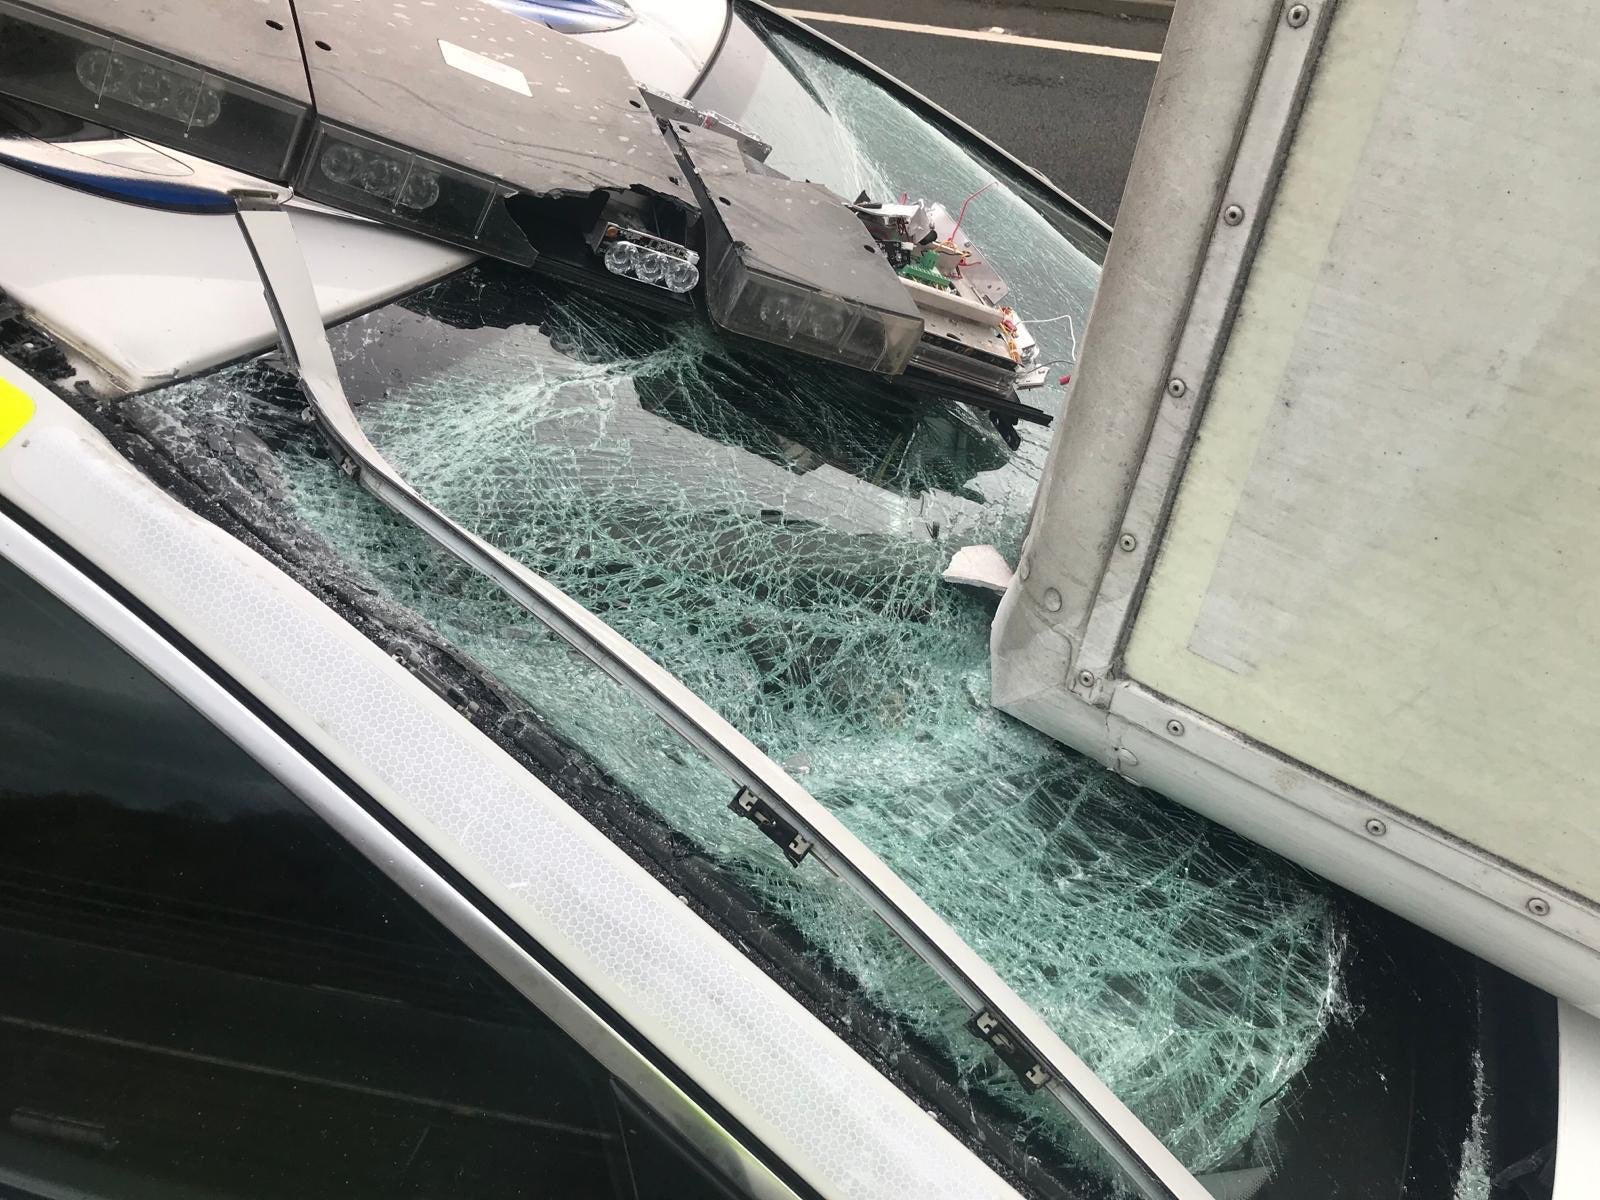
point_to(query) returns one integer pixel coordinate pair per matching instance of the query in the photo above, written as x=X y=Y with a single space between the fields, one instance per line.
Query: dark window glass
x=205 y=992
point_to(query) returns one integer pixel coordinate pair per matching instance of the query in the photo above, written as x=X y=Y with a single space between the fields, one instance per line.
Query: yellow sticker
x=16 y=410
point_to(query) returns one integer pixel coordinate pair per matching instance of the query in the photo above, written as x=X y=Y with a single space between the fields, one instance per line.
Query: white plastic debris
x=980 y=567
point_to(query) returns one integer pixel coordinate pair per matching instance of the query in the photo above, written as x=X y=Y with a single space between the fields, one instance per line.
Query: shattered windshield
x=774 y=531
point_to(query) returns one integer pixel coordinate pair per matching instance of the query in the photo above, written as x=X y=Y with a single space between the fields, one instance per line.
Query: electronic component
x=971 y=348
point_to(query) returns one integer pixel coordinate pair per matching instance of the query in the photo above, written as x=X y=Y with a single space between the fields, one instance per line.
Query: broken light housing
x=787 y=312
x=101 y=78
x=788 y=263
x=748 y=301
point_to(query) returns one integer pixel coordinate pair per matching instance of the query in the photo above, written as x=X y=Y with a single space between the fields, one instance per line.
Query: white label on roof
x=473 y=63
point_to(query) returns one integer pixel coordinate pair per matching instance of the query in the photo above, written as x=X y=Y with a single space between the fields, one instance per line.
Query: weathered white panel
x=1383 y=561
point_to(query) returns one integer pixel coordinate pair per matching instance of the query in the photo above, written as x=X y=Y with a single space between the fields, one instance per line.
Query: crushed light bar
x=352 y=171
x=100 y=78
x=749 y=301
x=788 y=263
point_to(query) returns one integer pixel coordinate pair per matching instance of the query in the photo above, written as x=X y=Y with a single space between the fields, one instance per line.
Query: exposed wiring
x=962 y=215
x=1072 y=329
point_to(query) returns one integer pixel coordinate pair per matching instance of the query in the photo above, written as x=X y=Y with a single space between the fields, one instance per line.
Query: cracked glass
x=774 y=531
x=775 y=535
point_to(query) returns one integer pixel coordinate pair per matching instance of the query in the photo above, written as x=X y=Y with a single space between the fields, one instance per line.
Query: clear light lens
x=342 y=163
x=381 y=177
x=778 y=311
x=207 y=109
x=773 y=310
x=178 y=97
x=352 y=171
x=782 y=313
x=651 y=267
x=92 y=66
x=827 y=323
x=420 y=189
x=681 y=276
x=620 y=257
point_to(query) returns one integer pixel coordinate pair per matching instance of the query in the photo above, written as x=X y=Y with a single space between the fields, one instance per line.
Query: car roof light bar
x=397 y=187
x=83 y=70
x=1000 y=1017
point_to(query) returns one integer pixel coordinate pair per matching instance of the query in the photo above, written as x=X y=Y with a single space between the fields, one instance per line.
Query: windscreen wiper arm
x=1016 y=1033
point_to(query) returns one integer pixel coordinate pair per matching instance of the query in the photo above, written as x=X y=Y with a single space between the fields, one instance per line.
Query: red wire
x=962 y=216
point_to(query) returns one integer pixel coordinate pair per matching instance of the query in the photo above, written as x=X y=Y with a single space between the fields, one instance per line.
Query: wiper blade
x=1017 y=1034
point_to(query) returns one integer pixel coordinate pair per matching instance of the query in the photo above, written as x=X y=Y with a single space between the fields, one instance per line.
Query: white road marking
x=973 y=35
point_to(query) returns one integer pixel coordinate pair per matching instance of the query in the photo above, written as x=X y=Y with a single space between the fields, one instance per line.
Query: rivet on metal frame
x=1052 y=599
x=1128 y=543
x=1539 y=906
x=1297 y=15
x=1376 y=827
x=1086 y=679
x=1175 y=727
x=1176 y=387
x=1232 y=215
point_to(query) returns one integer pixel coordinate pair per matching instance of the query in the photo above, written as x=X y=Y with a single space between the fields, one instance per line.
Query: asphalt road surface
x=1071 y=111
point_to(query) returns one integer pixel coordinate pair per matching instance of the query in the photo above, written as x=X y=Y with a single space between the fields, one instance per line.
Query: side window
x=205 y=992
